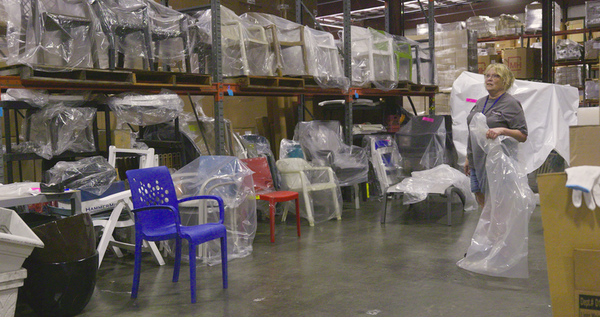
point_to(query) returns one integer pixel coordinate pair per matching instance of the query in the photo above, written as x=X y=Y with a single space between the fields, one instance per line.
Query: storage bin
x=16 y=241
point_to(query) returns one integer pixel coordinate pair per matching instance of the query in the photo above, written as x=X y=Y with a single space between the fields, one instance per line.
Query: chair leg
x=177 y=259
x=298 y=215
x=192 y=249
x=137 y=266
x=272 y=219
x=224 y=260
x=356 y=196
x=108 y=231
x=336 y=203
x=309 y=209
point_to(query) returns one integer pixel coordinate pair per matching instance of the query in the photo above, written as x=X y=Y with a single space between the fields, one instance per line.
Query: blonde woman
x=504 y=115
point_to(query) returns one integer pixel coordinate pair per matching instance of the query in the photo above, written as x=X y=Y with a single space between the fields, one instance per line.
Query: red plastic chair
x=263 y=186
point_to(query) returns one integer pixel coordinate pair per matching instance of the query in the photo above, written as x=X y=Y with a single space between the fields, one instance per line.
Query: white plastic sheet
x=143 y=110
x=499 y=246
x=549 y=110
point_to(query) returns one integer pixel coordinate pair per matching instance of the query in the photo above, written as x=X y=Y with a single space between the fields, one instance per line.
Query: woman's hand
x=467 y=169
x=494 y=133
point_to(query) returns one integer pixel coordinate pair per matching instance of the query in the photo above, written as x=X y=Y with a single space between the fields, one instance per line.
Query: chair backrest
x=151 y=187
x=263 y=181
x=319 y=137
x=386 y=160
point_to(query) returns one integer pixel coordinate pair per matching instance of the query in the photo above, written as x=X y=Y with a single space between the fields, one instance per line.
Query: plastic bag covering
x=386 y=160
x=56 y=129
x=93 y=174
x=290 y=149
x=423 y=62
x=533 y=17
x=125 y=25
x=435 y=180
x=548 y=125
x=3 y=40
x=227 y=177
x=300 y=50
x=372 y=58
x=143 y=110
x=592 y=13
x=484 y=25
x=570 y=75
x=169 y=28
x=592 y=48
x=499 y=246
x=319 y=182
x=592 y=89
x=322 y=145
x=202 y=133
x=52 y=32
x=36 y=98
x=245 y=48
x=425 y=142
x=568 y=49
x=509 y=25
x=258 y=146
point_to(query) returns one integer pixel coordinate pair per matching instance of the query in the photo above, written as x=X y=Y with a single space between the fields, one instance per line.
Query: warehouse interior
x=298 y=158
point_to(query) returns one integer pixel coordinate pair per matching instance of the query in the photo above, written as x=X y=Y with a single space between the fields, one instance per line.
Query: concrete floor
x=352 y=267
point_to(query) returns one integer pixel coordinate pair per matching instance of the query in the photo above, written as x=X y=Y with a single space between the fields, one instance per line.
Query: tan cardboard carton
x=525 y=63
x=584 y=145
x=484 y=61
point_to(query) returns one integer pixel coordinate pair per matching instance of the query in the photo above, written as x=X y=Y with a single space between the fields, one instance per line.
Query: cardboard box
x=587 y=282
x=566 y=230
x=584 y=145
x=575 y=25
x=525 y=63
x=484 y=61
x=500 y=45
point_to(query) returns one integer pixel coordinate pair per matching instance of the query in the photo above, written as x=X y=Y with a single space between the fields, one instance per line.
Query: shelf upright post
x=386 y=12
x=547 y=41
x=215 y=9
x=348 y=71
x=300 y=97
x=431 y=22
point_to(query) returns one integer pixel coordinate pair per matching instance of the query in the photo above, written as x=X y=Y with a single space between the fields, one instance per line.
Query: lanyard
x=486 y=100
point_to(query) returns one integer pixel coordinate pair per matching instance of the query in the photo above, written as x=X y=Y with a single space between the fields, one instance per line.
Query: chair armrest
x=217 y=198
x=161 y=207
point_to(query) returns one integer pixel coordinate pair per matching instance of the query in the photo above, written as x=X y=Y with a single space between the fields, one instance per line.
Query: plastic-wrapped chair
x=71 y=24
x=318 y=186
x=322 y=144
x=372 y=58
x=264 y=188
x=125 y=24
x=228 y=178
x=245 y=48
x=258 y=146
x=168 y=27
x=385 y=159
x=122 y=200
x=157 y=219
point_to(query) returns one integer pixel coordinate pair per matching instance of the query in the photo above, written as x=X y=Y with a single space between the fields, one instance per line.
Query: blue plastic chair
x=157 y=218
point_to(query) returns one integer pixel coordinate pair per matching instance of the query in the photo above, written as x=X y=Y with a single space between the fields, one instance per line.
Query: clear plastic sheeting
x=499 y=246
x=425 y=142
x=56 y=129
x=94 y=174
x=509 y=25
x=144 y=110
x=570 y=75
x=290 y=149
x=592 y=89
x=372 y=58
x=403 y=57
x=259 y=146
x=533 y=16
x=228 y=178
x=59 y=33
x=320 y=194
x=36 y=98
x=323 y=145
x=568 y=49
x=435 y=181
x=548 y=126
x=484 y=25
x=385 y=159
x=125 y=25
x=169 y=32
x=245 y=48
x=592 y=47
x=592 y=13
x=20 y=189
x=201 y=131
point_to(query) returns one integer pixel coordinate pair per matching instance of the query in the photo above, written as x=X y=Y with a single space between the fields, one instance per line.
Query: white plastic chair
x=147 y=159
x=372 y=56
x=294 y=178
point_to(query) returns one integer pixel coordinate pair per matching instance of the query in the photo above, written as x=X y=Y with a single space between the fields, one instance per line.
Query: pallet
x=412 y=87
x=68 y=75
x=267 y=82
x=154 y=78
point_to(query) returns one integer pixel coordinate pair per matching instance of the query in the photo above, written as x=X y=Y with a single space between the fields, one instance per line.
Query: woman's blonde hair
x=508 y=78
